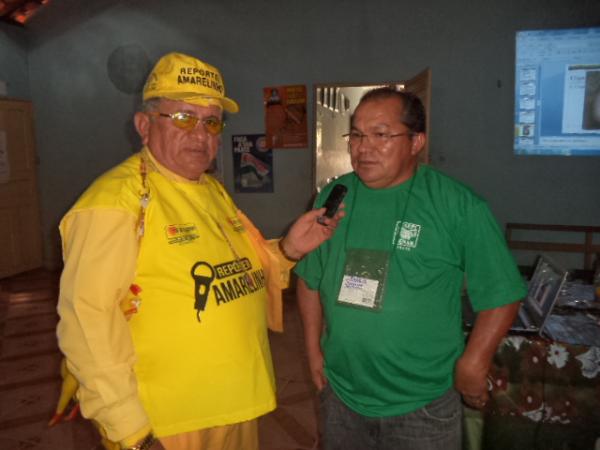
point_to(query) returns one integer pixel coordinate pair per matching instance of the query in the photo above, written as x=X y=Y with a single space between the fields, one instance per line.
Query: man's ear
x=417 y=143
x=142 y=125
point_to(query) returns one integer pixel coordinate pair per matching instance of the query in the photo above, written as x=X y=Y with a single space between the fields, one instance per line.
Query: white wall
x=83 y=121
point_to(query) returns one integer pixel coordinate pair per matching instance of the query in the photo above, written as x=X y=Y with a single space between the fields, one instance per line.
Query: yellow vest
x=200 y=333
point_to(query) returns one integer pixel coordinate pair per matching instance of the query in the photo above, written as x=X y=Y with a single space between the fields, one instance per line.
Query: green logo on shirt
x=406 y=235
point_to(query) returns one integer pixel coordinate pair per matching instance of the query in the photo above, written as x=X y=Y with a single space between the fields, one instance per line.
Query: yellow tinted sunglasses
x=186 y=121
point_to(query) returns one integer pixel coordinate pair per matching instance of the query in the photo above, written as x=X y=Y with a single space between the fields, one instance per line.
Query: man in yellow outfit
x=191 y=368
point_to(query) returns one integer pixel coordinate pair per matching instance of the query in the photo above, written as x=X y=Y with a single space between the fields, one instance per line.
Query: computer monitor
x=557 y=92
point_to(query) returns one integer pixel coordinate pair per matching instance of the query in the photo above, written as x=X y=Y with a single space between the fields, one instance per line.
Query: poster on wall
x=285 y=116
x=252 y=163
x=4 y=165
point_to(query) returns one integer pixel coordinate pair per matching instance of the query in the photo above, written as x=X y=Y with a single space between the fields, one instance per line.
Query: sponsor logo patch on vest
x=406 y=235
x=181 y=233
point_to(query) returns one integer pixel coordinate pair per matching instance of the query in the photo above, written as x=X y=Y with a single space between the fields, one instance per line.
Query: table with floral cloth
x=544 y=395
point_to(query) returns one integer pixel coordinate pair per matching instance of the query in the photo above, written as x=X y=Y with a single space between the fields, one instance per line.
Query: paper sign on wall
x=252 y=163
x=285 y=116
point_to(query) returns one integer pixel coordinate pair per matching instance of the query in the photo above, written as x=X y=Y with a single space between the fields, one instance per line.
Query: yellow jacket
x=123 y=367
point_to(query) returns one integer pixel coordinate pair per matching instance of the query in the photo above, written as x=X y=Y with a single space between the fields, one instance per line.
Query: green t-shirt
x=393 y=361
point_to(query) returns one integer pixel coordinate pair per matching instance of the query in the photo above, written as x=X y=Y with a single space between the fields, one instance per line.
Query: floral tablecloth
x=544 y=394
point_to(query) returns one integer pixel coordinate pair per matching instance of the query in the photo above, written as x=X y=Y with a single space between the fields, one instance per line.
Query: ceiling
x=18 y=12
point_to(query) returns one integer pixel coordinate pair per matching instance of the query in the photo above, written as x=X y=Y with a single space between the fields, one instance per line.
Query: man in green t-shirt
x=381 y=300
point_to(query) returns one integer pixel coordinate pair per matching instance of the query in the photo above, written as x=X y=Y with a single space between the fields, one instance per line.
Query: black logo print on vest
x=203 y=275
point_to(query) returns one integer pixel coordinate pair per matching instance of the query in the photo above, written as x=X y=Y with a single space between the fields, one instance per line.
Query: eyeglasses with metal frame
x=355 y=138
x=186 y=121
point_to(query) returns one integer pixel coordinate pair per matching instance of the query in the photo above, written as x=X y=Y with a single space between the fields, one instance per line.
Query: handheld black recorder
x=334 y=199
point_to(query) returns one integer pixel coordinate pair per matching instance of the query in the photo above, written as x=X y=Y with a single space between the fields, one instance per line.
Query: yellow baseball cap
x=181 y=77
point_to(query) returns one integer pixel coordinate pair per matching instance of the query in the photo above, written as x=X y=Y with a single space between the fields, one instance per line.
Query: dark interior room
x=511 y=92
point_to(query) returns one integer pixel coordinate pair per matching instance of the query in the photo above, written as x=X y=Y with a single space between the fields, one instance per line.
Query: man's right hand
x=317 y=374
x=311 y=312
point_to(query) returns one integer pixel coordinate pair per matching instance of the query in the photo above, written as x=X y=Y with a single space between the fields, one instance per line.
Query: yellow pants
x=239 y=436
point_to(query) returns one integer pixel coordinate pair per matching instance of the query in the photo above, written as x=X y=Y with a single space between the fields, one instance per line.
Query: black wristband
x=280 y=245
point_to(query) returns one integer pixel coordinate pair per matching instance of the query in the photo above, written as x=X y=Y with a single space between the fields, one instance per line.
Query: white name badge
x=365 y=276
x=358 y=291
